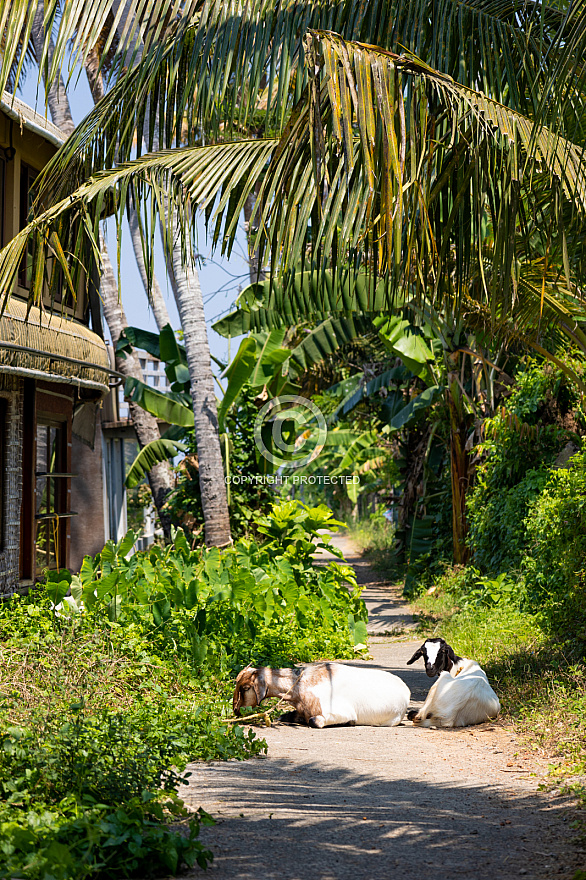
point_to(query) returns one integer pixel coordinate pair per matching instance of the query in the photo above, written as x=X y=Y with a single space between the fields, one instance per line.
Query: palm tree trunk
x=189 y=300
x=460 y=464
x=155 y=295
x=57 y=98
x=145 y=424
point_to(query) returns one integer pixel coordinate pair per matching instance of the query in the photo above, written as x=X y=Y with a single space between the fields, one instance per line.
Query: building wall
x=34 y=493
x=87 y=533
x=11 y=391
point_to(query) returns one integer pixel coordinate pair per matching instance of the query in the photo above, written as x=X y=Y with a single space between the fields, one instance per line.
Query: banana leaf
x=237 y=374
x=166 y=405
x=152 y=454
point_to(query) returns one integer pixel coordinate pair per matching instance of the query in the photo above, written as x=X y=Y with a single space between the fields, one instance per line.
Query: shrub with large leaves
x=260 y=600
x=555 y=562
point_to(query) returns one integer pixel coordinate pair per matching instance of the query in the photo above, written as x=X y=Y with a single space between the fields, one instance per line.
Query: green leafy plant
x=209 y=606
x=554 y=565
x=520 y=443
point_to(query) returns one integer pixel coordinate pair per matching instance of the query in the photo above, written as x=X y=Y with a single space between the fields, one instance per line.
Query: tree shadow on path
x=291 y=821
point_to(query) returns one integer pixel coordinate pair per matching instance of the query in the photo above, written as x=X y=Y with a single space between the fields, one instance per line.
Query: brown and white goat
x=462 y=694
x=323 y=694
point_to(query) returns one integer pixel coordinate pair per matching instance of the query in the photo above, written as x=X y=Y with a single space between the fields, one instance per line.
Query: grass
x=96 y=728
x=542 y=688
x=105 y=667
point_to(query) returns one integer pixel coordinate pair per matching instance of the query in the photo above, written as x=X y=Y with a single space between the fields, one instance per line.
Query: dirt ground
x=369 y=803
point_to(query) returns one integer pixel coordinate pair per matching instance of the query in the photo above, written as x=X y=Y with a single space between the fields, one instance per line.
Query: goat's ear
x=445 y=658
x=237 y=700
x=260 y=687
x=418 y=653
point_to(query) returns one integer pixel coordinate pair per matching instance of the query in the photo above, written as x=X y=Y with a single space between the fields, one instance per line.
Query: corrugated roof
x=29 y=119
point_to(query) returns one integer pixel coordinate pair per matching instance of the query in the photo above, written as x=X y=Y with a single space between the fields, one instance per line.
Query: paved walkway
x=369 y=803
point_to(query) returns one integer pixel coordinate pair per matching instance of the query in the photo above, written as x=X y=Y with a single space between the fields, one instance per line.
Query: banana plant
x=263 y=362
x=173 y=407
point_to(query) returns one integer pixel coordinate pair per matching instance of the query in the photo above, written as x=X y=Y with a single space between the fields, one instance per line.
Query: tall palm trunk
x=145 y=425
x=57 y=98
x=155 y=295
x=189 y=300
x=460 y=467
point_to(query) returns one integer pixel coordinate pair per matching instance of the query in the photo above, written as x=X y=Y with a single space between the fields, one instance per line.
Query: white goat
x=462 y=694
x=323 y=694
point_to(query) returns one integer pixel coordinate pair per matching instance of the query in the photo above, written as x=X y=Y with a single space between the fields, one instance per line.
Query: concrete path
x=369 y=803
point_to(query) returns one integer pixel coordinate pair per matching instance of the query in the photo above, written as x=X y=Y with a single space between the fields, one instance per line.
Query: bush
x=226 y=608
x=89 y=790
x=521 y=442
x=468 y=590
x=111 y=681
x=554 y=565
x=75 y=843
x=497 y=530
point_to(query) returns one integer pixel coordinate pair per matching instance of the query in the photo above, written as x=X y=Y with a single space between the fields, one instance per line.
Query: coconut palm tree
x=188 y=295
x=444 y=165
x=146 y=427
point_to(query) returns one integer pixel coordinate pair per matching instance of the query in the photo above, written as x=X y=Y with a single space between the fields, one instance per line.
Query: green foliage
x=555 y=563
x=109 y=757
x=470 y=590
x=209 y=606
x=90 y=790
x=248 y=495
x=74 y=843
x=521 y=441
x=497 y=530
x=153 y=453
x=112 y=680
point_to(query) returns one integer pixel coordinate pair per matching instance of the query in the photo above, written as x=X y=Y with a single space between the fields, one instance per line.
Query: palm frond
x=184 y=179
x=210 y=66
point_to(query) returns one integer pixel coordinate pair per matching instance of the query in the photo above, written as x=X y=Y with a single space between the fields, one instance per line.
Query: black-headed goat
x=323 y=694
x=462 y=694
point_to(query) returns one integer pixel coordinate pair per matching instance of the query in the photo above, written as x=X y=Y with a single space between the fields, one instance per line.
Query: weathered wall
x=11 y=392
x=87 y=500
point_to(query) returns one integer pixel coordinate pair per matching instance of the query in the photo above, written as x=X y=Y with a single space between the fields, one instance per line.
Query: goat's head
x=250 y=690
x=437 y=655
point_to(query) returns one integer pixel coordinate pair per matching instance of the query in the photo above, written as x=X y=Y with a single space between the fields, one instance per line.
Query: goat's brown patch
x=246 y=681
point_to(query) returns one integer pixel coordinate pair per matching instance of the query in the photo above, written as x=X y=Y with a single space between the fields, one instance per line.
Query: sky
x=221 y=280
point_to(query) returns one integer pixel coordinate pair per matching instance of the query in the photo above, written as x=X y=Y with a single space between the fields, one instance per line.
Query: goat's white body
x=332 y=693
x=459 y=697
x=365 y=696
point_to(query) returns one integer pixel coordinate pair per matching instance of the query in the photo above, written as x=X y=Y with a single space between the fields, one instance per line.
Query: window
x=27 y=194
x=46 y=460
x=50 y=496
